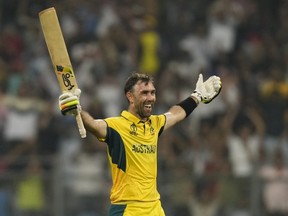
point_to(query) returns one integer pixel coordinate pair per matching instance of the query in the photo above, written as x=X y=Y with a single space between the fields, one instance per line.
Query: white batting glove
x=69 y=102
x=208 y=90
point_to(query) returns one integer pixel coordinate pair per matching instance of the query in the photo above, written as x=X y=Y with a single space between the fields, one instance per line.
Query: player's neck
x=142 y=119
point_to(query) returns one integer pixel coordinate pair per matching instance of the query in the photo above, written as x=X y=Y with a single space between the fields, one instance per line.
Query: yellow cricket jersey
x=132 y=152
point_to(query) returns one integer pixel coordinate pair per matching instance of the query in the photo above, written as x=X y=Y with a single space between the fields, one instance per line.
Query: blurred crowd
x=228 y=158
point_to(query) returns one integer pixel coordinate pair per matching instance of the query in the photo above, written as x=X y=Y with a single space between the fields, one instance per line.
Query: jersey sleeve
x=112 y=122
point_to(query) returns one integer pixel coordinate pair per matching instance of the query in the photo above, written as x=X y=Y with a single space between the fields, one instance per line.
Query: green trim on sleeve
x=116 y=148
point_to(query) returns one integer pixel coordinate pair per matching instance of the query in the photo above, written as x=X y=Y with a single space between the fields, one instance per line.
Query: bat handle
x=80 y=124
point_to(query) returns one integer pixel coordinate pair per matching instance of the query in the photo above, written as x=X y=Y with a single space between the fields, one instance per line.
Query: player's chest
x=140 y=133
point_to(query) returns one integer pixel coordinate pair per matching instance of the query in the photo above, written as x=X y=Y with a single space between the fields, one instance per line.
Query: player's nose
x=151 y=97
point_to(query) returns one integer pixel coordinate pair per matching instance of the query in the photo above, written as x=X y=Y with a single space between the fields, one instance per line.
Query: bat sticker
x=66 y=80
x=66 y=76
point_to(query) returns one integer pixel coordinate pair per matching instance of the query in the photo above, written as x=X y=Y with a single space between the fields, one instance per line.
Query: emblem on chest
x=133 y=130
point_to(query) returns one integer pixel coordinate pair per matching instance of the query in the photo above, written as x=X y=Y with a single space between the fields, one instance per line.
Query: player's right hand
x=69 y=102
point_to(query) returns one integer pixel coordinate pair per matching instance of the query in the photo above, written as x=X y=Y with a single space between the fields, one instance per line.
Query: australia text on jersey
x=145 y=149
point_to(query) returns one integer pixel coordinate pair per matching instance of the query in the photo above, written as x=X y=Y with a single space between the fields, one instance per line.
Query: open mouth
x=148 y=106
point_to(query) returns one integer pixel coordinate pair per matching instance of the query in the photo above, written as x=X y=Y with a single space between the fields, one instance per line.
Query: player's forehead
x=144 y=85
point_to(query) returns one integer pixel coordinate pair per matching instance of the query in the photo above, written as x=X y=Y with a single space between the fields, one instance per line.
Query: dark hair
x=134 y=78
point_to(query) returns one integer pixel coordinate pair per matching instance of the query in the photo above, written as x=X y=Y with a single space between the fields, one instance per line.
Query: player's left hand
x=69 y=102
x=206 y=91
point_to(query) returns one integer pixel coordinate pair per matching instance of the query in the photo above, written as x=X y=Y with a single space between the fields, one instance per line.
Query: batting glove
x=208 y=90
x=69 y=102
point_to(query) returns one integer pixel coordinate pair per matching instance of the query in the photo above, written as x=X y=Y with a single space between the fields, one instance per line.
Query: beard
x=143 y=111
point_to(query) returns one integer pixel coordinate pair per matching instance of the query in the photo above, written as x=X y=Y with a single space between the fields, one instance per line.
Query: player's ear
x=129 y=96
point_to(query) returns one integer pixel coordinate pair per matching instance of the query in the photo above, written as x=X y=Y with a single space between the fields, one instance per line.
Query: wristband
x=189 y=104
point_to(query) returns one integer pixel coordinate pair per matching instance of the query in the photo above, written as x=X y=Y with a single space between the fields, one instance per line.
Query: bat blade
x=57 y=49
x=59 y=56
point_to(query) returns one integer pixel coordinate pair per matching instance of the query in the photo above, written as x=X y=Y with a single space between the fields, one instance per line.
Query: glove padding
x=69 y=102
x=208 y=90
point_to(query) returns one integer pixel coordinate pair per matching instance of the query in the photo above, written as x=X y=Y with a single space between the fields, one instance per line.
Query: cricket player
x=132 y=140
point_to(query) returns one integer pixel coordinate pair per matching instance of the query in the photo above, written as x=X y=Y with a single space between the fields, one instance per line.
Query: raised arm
x=97 y=127
x=204 y=92
x=69 y=104
x=176 y=114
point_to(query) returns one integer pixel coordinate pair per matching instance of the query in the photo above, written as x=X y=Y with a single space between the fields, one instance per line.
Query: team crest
x=152 y=132
x=133 y=129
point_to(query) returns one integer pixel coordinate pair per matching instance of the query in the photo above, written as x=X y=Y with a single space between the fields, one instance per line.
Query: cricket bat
x=59 y=56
